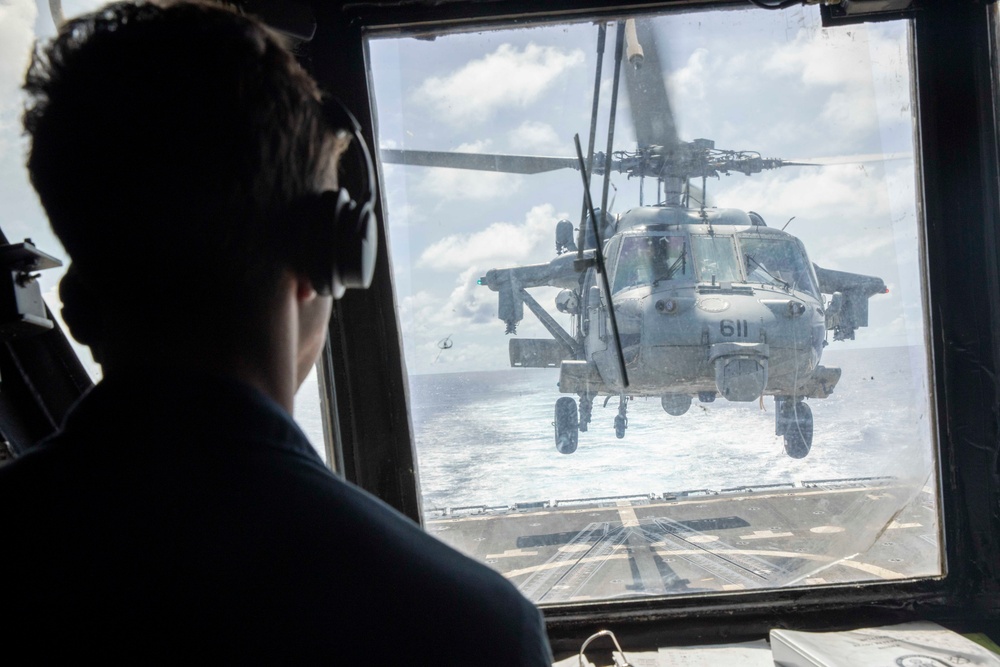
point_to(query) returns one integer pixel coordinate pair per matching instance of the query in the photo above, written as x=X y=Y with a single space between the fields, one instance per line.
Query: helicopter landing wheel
x=567 y=425
x=621 y=421
x=798 y=429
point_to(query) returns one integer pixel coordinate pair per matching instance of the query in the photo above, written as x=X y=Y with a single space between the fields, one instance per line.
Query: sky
x=773 y=82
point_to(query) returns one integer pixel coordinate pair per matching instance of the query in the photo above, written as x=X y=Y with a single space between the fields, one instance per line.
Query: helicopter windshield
x=645 y=260
x=779 y=262
x=715 y=257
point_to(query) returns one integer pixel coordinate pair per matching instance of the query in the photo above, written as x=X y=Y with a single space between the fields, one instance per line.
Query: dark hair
x=168 y=143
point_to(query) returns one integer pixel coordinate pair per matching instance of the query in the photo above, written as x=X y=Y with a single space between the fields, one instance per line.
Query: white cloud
x=508 y=77
x=17 y=18
x=478 y=146
x=844 y=192
x=470 y=301
x=824 y=58
x=825 y=92
x=500 y=245
x=688 y=82
x=467 y=314
x=849 y=113
x=455 y=184
x=537 y=138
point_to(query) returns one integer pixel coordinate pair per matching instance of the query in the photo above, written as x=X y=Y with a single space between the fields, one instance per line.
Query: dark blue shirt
x=188 y=518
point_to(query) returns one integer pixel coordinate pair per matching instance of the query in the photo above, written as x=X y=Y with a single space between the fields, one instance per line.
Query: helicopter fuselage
x=708 y=303
x=723 y=321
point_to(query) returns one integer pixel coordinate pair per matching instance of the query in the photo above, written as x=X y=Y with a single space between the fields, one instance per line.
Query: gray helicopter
x=677 y=299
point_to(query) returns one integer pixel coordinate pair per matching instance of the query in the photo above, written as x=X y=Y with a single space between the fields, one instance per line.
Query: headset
x=339 y=235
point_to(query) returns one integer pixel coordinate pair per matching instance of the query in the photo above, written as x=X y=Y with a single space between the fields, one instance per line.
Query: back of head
x=169 y=142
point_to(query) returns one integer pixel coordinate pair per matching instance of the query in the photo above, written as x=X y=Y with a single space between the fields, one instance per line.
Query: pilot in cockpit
x=649 y=260
x=636 y=263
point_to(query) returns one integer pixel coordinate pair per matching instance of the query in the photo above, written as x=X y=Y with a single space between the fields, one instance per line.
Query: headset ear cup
x=336 y=237
x=315 y=249
x=357 y=243
x=357 y=229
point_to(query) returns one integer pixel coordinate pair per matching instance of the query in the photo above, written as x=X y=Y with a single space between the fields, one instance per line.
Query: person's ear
x=304 y=290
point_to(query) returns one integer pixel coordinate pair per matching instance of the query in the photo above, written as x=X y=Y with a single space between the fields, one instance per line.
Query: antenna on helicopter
x=599 y=254
x=788 y=223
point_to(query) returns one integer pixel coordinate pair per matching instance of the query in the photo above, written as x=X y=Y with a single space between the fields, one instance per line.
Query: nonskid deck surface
x=808 y=533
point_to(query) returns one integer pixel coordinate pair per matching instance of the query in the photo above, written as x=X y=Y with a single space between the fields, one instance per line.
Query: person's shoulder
x=434 y=586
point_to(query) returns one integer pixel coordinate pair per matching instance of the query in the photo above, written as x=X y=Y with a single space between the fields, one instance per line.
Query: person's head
x=171 y=144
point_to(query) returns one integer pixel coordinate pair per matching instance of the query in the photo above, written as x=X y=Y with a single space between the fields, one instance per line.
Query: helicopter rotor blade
x=647 y=92
x=850 y=159
x=511 y=164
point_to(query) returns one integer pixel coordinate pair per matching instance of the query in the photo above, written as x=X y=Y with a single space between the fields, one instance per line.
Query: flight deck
x=770 y=536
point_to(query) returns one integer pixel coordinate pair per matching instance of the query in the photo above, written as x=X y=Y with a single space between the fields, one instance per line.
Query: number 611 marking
x=737 y=327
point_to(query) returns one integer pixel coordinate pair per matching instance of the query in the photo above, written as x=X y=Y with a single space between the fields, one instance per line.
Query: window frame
x=958 y=197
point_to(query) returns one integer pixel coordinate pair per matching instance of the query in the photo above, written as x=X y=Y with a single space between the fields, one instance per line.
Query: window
x=649 y=260
x=798 y=448
x=779 y=262
x=956 y=196
x=715 y=258
x=21 y=215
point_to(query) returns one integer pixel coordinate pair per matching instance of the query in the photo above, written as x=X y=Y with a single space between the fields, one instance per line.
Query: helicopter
x=676 y=299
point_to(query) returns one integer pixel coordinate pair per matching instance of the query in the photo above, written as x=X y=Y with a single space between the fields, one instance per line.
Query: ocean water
x=486 y=438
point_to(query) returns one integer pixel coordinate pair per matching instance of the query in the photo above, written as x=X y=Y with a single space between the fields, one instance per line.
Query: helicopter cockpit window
x=777 y=262
x=769 y=437
x=715 y=257
x=649 y=260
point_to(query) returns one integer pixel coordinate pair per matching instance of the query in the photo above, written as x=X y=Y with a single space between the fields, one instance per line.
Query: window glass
x=650 y=260
x=776 y=262
x=769 y=436
x=21 y=214
x=715 y=257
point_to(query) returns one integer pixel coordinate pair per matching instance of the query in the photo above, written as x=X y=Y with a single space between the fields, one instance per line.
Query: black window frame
x=959 y=200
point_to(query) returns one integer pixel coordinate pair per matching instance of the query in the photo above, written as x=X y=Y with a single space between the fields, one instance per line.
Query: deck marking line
x=764 y=534
x=627 y=514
